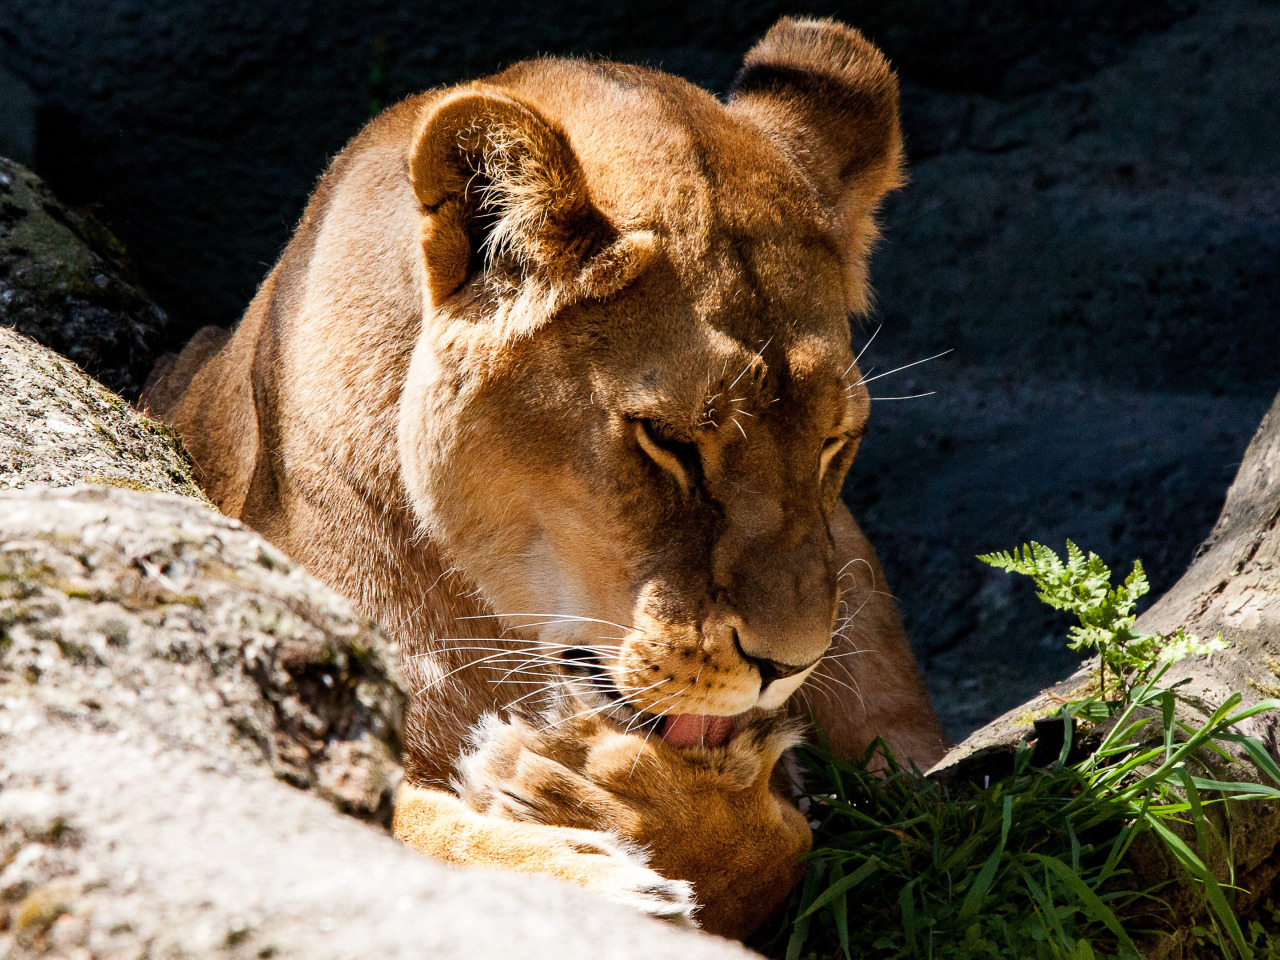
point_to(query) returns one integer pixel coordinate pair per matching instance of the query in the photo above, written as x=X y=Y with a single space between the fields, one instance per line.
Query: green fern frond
x=1082 y=585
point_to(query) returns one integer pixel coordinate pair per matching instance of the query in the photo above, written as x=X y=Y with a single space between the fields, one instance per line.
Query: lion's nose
x=770 y=670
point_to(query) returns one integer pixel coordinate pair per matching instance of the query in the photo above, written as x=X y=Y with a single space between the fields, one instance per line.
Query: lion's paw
x=706 y=816
x=514 y=772
x=616 y=871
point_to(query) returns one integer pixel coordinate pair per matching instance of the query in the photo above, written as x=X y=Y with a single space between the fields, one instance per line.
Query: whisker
x=514 y=651
x=914 y=396
x=847 y=653
x=431 y=685
x=630 y=697
x=653 y=729
x=552 y=618
x=905 y=366
x=758 y=355
x=865 y=347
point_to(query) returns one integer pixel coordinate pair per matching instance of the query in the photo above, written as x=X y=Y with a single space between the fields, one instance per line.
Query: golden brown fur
x=556 y=368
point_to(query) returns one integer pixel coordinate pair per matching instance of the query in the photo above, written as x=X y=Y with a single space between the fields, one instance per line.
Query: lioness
x=554 y=381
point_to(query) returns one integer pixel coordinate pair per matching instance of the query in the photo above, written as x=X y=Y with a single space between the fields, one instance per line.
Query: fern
x=1107 y=614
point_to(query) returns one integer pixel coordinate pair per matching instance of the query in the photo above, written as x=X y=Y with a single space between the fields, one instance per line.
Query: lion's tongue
x=697 y=730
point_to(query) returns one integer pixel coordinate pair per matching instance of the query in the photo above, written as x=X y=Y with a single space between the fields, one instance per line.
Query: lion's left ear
x=828 y=97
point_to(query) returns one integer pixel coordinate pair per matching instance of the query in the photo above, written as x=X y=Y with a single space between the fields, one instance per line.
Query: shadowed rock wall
x=1092 y=226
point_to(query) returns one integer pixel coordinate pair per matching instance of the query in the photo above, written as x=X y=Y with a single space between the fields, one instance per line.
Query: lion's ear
x=829 y=98
x=498 y=181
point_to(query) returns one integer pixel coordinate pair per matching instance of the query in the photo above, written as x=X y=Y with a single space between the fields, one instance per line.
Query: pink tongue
x=697 y=730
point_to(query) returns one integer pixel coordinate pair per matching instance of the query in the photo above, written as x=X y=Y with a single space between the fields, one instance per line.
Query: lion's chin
x=686 y=730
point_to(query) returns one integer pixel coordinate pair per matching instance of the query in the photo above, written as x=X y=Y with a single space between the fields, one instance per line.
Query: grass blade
x=1086 y=896
x=844 y=885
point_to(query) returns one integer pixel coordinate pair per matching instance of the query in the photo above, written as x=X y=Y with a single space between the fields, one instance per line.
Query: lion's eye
x=678 y=458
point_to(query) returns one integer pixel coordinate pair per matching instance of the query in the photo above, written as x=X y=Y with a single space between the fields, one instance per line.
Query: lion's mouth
x=683 y=730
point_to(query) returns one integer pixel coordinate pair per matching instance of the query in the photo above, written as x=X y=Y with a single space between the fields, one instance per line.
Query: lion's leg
x=869 y=686
x=437 y=824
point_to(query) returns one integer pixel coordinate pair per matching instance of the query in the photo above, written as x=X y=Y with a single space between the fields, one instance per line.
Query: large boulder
x=17 y=118
x=1100 y=255
x=159 y=616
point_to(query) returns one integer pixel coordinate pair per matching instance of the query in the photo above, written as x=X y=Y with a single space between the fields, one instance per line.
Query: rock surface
x=156 y=614
x=64 y=282
x=17 y=119
x=1100 y=256
x=115 y=847
x=59 y=427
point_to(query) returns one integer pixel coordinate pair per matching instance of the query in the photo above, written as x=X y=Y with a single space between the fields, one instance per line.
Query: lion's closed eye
x=678 y=458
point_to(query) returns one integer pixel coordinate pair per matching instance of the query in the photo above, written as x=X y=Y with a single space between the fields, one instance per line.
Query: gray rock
x=161 y=854
x=127 y=611
x=65 y=283
x=59 y=427
x=1100 y=256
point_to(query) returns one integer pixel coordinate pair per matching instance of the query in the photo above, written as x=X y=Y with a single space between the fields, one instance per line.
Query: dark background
x=1093 y=228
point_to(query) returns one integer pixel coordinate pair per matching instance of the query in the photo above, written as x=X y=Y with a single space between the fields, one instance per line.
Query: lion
x=554 y=381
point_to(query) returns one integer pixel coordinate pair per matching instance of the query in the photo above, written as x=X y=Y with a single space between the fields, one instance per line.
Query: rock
x=167 y=856
x=17 y=119
x=59 y=427
x=64 y=282
x=157 y=616
x=1100 y=256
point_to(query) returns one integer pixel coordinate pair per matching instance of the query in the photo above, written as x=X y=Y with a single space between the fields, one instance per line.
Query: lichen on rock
x=121 y=609
x=59 y=427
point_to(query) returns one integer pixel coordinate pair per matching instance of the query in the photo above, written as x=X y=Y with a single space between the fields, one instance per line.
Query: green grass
x=1036 y=863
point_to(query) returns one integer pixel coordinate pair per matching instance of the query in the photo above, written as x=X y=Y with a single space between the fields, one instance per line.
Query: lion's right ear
x=498 y=181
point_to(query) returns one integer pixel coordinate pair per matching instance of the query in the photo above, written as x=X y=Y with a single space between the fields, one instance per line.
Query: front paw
x=518 y=773
x=617 y=871
x=705 y=816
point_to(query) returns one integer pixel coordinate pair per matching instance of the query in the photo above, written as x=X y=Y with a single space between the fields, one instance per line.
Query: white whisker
x=905 y=366
x=865 y=347
x=758 y=355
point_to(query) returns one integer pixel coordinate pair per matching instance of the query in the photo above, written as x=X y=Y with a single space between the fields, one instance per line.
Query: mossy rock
x=65 y=283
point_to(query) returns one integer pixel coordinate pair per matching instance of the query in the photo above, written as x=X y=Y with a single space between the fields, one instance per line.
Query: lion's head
x=635 y=404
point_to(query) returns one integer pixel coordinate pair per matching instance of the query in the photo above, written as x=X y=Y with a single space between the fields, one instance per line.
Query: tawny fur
x=561 y=360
